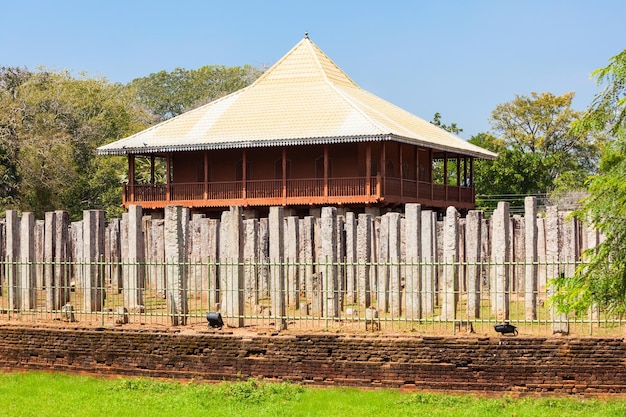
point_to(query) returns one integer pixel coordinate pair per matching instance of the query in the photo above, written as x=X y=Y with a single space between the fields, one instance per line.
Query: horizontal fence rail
x=424 y=297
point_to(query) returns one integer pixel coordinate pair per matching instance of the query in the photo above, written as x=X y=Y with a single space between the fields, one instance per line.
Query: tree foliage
x=538 y=152
x=602 y=281
x=51 y=125
x=168 y=94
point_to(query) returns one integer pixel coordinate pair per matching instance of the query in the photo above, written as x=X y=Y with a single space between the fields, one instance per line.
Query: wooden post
x=244 y=173
x=326 y=170
x=206 y=175
x=383 y=169
x=401 y=172
x=152 y=169
x=131 y=176
x=417 y=172
x=458 y=177
x=168 y=162
x=368 y=168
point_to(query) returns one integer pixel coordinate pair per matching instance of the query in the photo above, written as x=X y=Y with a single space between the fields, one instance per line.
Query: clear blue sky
x=459 y=58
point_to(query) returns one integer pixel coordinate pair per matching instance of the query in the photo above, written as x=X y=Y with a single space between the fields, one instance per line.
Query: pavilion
x=302 y=136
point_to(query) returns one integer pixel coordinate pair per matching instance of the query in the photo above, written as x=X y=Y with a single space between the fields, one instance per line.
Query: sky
x=458 y=58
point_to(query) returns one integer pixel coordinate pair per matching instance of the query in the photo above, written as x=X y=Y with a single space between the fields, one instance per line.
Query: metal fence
x=362 y=297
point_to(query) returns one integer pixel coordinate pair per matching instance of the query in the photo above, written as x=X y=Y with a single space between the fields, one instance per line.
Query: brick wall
x=563 y=365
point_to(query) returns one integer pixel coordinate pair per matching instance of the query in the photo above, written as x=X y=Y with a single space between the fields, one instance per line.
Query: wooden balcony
x=373 y=191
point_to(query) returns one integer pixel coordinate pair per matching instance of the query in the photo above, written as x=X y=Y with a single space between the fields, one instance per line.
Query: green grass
x=51 y=394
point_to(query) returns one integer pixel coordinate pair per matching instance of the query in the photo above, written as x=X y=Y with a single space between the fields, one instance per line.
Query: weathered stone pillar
x=197 y=271
x=328 y=261
x=412 y=275
x=27 y=255
x=473 y=225
x=530 y=223
x=500 y=252
x=291 y=252
x=351 y=250
x=48 y=256
x=233 y=294
x=451 y=268
x=364 y=250
x=93 y=243
x=62 y=269
x=395 y=284
x=157 y=257
x=276 y=258
x=382 y=284
x=264 y=259
x=251 y=266
x=115 y=256
x=39 y=236
x=429 y=257
x=307 y=243
x=175 y=258
x=517 y=254
x=542 y=270
x=134 y=262
x=12 y=258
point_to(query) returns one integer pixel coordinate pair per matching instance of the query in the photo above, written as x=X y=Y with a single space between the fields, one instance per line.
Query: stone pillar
x=530 y=289
x=307 y=243
x=251 y=266
x=291 y=252
x=39 y=236
x=277 y=257
x=93 y=243
x=48 y=256
x=134 y=262
x=542 y=270
x=233 y=294
x=328 y=261
x=115 y=256
x=517 y=254
x=451 y=268
x=382 y=285
x=264 y=259
x=175 y=258
x=473 y=224
x=12 y=258
x=500 y=252
x=364 y=250
x=395 y=284
x=429 y=257
x=157 y=257
x=27 y=255
x=213 y=284
x=412 y=275
x=62 y=269
x=198 y=246
x=351 y=250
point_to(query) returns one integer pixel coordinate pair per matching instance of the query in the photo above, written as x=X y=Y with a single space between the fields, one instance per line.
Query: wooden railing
x=297 y=191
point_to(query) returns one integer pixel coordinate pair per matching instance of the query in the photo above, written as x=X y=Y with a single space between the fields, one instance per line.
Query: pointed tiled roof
x=305 y=98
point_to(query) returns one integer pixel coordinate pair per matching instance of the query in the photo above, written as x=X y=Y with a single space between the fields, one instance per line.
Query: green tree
x=168 y=94
x=602 y=280
x=538 y=152
x=56 y=122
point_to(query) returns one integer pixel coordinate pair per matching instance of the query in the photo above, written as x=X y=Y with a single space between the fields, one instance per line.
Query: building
x=304 y=135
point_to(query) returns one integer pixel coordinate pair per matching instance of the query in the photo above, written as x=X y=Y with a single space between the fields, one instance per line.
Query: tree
x=538 y=152
x=602 y=280
x=168 y=94
x=52 y=124
x=452 y=127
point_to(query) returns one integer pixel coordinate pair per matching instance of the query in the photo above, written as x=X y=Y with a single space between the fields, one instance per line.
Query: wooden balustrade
x=301 y=191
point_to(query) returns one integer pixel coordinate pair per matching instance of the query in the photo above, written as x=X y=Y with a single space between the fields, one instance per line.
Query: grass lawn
x=52 y=394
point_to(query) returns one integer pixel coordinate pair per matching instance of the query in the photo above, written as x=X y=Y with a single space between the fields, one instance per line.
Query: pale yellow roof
x=305 y=98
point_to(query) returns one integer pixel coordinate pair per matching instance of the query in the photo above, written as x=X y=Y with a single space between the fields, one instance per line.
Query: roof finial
x=306 y=35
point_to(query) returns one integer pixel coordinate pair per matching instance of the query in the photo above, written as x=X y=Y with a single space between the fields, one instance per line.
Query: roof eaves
x=241 y=145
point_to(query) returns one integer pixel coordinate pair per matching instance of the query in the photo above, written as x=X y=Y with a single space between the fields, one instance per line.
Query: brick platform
x=528 y=365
